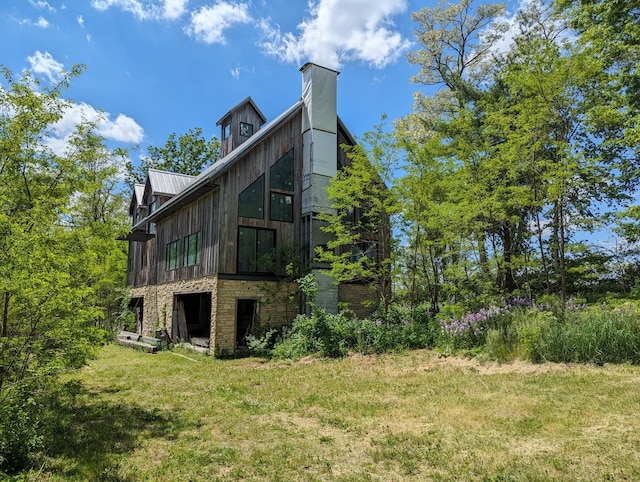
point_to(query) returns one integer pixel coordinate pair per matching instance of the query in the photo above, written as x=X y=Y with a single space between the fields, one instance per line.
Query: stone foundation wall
x=158 y=301
x=353 y=295
x=273 y=307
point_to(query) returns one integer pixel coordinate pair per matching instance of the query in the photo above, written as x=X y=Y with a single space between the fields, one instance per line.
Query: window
x=256 y=250
x=251 y=200
x=226 y=131
x=151 y=228
x=367 y=249
x=281 y=207
x=143 y=258
x=246 y=130
x=172 y=256
x=152 y=206
x=281 y=173
x=191 y=249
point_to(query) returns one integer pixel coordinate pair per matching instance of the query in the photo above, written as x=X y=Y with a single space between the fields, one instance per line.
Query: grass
x=410 y=416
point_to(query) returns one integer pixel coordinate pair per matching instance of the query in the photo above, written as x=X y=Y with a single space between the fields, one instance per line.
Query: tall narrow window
x=256 y=250
x=251 y=200
x=226 y=131
x=172 y=256
x=191 y=249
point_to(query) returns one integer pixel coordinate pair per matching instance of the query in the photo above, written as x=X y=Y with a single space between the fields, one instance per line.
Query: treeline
x=522 y=143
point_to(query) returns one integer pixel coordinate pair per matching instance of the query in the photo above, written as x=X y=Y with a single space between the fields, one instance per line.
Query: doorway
x=246 y=316
x=192 y=318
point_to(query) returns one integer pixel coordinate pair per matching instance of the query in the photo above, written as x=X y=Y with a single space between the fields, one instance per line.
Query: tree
x=49 y=259
x=189 y=154
x=360 y=227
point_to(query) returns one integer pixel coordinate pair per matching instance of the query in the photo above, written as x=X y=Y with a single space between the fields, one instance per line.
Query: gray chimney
x=319 y=161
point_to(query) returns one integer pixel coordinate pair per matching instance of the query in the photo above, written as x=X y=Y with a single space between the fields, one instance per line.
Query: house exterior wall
x=273 y=309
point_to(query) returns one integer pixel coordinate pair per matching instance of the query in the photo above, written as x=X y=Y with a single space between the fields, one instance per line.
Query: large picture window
x=251 y=200
x=256 y=250
x=172 y=256
x=191 y=249
x=281 y=173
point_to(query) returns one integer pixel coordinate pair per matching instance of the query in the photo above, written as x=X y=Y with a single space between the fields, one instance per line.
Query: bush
x=20 y=434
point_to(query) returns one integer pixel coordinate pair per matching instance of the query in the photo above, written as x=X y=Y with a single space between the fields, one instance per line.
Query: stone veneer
x=354 y=294
x=273 y=310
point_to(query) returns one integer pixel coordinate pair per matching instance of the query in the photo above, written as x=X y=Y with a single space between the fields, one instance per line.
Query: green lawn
x=411 y=416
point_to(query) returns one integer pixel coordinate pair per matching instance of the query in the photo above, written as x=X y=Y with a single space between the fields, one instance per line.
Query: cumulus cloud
x=80 y=20
x=209 y=23
x=145 y=10
x=45 y=64
x=339 y=31
x=121 y=129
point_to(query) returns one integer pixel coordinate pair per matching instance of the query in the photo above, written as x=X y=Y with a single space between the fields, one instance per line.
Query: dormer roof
x=240 y=105
x=166 y=183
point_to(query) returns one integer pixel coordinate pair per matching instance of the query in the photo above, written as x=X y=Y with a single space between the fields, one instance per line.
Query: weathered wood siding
x=245 y=114
x=199 y=216
x=247 y=170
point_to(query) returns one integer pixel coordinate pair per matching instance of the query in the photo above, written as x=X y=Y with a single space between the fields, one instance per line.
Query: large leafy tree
x=188 y=153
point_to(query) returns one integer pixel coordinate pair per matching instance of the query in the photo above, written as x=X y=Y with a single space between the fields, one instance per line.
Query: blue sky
x=162 y=66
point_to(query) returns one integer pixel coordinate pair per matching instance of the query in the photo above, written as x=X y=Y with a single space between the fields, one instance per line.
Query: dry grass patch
x=411 y=416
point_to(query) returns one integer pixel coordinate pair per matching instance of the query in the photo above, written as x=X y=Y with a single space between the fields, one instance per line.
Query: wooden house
x=203 y=250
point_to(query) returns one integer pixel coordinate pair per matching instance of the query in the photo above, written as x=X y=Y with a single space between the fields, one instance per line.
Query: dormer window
x=246 y=130
x=226 y=131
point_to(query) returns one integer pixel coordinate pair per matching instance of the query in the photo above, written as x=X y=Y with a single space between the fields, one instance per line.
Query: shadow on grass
x=92 y=436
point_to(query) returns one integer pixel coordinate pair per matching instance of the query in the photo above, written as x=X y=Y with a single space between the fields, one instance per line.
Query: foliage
x=189 y=154
x=61 y=265
x=363 y=205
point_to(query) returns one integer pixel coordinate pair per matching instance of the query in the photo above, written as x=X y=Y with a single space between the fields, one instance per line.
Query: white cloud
x=42 y=22
x=42 y=4
x=80 y=20
x=209 y=23
x=122 y=129
x=341 y=30
x=235 y=73
x=174 y=9
x=145 y=10
x=44 y=63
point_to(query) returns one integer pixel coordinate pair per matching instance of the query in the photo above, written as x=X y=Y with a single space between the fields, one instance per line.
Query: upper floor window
x=256 y=250
x=171 y=260
x=281 y=173
x=281 y=207
x=153 y=206
x=246 y=130
x=191 y=249
x=226 y=131
x=251 y=200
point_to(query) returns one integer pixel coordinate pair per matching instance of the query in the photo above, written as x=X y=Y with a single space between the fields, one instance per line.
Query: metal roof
x=206 y=179
x=169 y=183
x=247 y=100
